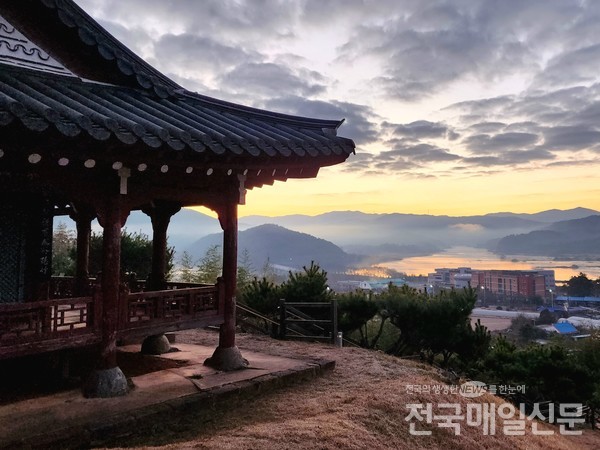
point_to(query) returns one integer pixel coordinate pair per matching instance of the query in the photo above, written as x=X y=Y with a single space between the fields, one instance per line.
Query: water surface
x=481 y=259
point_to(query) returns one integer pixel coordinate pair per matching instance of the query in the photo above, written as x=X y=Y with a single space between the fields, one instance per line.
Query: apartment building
x=510 y=284
x=515 y=283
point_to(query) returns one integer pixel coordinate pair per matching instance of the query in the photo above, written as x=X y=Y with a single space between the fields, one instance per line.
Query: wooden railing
x=145 y=313
x=64 y=287
x=34 y=327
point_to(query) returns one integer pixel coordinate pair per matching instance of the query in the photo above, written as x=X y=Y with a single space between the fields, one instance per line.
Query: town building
x=501 y=284
x=515 y=284
x=444 y=278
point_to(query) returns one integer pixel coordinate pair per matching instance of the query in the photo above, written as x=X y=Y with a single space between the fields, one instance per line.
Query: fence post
x=282 y=315
x=334 y=321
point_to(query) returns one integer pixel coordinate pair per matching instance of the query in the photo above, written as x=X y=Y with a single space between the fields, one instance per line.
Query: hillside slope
x=580 y=237
x=361 y=405
x=280 y=246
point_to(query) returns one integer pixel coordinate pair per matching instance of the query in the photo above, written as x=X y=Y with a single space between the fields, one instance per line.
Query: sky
x=458 y=107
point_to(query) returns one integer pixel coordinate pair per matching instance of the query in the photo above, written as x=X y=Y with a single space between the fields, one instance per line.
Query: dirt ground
x=493 y=323
x=361 y=404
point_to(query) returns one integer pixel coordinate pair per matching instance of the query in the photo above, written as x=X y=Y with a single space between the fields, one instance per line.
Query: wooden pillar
x=83 y=216
x=227 y=356
x=229 y=222
x=110 y=221
x=108 y=380
x=160 y=214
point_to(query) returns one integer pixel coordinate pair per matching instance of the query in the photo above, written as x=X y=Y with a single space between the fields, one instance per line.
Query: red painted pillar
x=229 y=222
x=111 y=280
x=227 y=356
x=160 y=215
x=108 y=380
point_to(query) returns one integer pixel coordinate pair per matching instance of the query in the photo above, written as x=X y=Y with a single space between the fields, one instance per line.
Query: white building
x=450 y=278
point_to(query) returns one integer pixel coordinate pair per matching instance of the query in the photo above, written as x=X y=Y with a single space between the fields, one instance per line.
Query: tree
x=524 y=330
x=307 y=286
x=210 y=266
x=268 y=271
x=580 y=286
x=188 y=272
x=355 y=310
x=63 y=250
x=473 y=343
x=553 y=373
x=261 y=295
x=245 y=271
x=547 y=317
x=430 y=325
x=136 y=254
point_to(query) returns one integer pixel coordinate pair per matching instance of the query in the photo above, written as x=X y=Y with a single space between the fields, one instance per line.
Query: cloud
x=420 y=129
x=485 y=143
x=395 y=52
x=572 y=138
x=247 y=20
x=201 y=55
x=418 y=153
x=433 y=44
x=580 y=66
x=487 y=127
x=359 y=124
x=270 y=80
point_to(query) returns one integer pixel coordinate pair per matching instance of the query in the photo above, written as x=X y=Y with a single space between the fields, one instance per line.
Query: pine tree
x=245 y=272
x=307 y=286
x=188 y=271
x=63 y=250
x=210 y=266
x=268 y=272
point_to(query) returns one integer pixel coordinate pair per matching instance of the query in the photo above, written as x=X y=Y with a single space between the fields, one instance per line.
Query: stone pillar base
x=156 y=345
x=106 y=383
x=227 y=359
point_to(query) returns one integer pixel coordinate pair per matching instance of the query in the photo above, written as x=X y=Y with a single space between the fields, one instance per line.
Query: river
x=480 y=259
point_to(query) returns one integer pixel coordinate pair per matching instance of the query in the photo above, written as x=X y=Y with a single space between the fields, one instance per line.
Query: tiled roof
x=179 y=121
x=114 y=94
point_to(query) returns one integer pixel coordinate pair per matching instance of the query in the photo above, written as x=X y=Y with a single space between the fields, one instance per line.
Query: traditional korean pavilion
x=90 y=130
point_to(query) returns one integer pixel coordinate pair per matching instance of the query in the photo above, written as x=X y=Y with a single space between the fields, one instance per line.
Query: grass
x=362 y=404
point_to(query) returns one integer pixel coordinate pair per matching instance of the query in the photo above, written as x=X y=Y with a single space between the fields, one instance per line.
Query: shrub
x=261 y=295
x=355 y=310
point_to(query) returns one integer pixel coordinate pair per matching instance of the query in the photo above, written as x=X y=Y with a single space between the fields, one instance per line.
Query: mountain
x=281 y=247
x=579 y=237
x=185 y=227
x=379 y=236
x=347 y=228
x=551 y=215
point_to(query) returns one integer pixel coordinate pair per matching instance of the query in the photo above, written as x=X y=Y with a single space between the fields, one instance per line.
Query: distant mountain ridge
x=347 y=228
x=570 y=238
x=551 y=215
x=384 y=237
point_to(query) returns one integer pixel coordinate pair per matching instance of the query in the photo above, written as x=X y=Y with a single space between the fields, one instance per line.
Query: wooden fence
x=296 y=323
